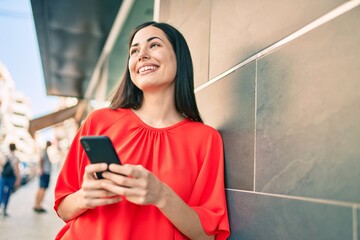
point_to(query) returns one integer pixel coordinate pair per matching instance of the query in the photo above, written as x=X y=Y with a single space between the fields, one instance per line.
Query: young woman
x=171 y=182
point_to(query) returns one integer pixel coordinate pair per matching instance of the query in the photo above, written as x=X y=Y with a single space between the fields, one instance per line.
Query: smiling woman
x=171 y=181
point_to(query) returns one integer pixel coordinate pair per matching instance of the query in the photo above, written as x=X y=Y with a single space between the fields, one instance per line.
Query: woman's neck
x=158 y=110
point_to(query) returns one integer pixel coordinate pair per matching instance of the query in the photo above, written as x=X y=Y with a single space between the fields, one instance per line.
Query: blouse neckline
x=142 y=123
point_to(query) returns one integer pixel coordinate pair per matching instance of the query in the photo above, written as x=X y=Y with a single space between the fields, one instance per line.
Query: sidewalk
x=23 y=223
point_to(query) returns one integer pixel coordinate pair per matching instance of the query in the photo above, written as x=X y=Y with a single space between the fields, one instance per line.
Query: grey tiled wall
x=240 y=29
x=289 y=115
x=234 y=116
x=308 y=114
x=257 y=216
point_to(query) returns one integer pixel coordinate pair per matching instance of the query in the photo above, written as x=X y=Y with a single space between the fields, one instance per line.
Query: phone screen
x=99 y=149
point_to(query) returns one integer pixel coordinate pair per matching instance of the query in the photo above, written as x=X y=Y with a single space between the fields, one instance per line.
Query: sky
x=19 y=52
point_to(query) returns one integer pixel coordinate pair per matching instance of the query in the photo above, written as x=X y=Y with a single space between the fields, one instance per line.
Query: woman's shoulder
x=106 y=113
x=203 y=129
x=103 y=118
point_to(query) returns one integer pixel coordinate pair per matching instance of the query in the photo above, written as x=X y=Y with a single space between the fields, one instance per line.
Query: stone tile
x=176 y=12
x=228 y=105
x=196 y=30
x=254 y=216
x=308 y=114
x=240 y=29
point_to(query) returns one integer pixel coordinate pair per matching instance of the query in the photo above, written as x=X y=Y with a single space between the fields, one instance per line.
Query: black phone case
x=99 y=149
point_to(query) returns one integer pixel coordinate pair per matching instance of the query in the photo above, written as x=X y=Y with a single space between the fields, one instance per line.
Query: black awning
x=71 y=36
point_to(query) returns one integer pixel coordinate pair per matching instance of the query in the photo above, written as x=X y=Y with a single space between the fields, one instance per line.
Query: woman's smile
x=147 y=69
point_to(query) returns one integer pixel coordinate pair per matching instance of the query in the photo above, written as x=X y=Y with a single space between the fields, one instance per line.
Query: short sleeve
x=208 y=198
x=70 y=177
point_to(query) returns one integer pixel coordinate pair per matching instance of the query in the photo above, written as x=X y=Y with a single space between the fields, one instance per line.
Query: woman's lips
x=147 y=68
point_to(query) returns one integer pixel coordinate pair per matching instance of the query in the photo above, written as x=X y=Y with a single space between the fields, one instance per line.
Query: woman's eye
x=133 y=51
x=154 y=45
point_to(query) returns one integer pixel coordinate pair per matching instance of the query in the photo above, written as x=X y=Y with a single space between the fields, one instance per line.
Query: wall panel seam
x=300 y=198
x=255 y=122
x=344 y=8
x=209 y=43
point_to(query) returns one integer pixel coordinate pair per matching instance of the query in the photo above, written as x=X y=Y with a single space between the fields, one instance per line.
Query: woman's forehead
x=146 y=33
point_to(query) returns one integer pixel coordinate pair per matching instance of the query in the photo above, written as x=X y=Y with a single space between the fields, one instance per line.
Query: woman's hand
x=92 y=192
x=90 y=195
x=136 y=183
x=140 y=186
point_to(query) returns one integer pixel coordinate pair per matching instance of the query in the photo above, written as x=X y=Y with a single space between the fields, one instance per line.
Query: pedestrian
x=45 y=167
x=10 y=178
x=171 y=181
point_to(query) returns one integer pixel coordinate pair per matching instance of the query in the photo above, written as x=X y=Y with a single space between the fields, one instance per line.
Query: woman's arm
x=143 y=188
x=181 y=215
x=71 y=206
x=90 y=195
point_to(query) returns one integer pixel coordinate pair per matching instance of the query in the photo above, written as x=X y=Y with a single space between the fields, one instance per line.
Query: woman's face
x=152 y=62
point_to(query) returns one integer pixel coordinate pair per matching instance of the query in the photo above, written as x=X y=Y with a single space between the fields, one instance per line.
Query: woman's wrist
x=165 y=195
x=72 y=206
x=80 y=205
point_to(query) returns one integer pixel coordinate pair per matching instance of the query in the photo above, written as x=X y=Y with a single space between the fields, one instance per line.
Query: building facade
x=15 y=109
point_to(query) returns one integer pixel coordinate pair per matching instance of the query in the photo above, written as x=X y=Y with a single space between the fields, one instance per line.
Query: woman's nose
x=143 y=54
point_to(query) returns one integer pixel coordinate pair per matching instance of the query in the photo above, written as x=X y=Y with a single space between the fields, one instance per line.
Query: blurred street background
x=54 y=70
x=23 y=222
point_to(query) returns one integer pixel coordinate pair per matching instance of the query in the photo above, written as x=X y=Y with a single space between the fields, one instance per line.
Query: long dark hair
x=130 y=96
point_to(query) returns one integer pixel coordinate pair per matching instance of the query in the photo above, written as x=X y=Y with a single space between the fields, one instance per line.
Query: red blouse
x=187 y=156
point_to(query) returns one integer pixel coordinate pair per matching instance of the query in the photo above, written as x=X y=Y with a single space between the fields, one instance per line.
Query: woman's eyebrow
x=148 y=40
x=152 y=38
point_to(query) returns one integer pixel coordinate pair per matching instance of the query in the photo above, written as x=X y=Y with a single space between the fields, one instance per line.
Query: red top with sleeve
x=187 y=156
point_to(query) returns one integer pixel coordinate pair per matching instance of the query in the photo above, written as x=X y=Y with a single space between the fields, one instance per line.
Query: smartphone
x=99 y=149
